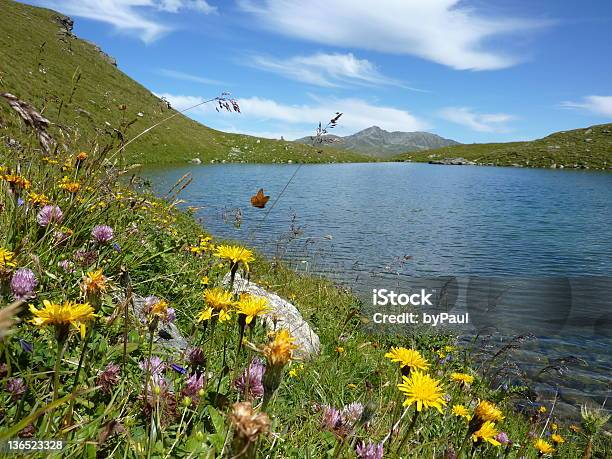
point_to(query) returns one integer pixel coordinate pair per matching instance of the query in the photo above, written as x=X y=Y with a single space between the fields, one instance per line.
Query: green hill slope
x=580 y=148
x=76 y=85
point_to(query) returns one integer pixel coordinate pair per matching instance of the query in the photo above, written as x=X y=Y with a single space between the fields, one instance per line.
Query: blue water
x=382 y=225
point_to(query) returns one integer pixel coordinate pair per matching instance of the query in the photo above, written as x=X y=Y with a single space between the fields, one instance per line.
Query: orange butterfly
x=259 y=200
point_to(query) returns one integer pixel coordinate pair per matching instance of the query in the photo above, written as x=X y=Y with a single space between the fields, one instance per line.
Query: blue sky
x=473 y=71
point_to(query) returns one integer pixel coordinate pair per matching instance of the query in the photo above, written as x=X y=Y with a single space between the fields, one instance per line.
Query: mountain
x=377 y=142
x=585 y=148
x=85 y=95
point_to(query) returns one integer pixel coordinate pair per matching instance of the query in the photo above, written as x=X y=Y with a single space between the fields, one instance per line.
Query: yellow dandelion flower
x=557 y=439
x=543 y=446
x=204 y=280
x=462 y=378
x=17 y=182
x=63 y=315
x=82 y=156
x=218 y=299
x=409 y=358
x=487 y=411
x=542 y=409
x=38 y=199
x=423 y=390
x=252 y=306
x=224 y=315
x=94 y=283
x=554 y=426
x=487 y=432
x=205 y=314
x=339 y=349
x=196 y=249
x=69 y=186
x=6 y=258
x=279 y=351
x=160 y=309
x=462 y=412
x=235 y=254
x=296 y=370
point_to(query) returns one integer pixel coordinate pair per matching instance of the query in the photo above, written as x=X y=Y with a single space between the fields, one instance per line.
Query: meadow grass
x=93 y=388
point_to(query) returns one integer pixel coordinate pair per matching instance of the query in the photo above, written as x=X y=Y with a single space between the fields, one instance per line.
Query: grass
x=579 y=148
x=51 y=378
x=47 y=65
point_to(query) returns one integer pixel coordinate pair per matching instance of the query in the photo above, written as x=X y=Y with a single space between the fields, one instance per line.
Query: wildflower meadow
x=82 y=241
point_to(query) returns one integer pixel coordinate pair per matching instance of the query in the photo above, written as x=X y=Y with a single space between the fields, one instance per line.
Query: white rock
x=282 y=315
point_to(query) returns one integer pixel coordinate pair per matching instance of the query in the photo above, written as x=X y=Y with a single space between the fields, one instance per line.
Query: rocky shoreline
x=466 y=162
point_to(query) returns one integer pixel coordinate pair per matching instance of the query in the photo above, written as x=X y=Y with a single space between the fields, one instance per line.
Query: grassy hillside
x=580 y=148
x=47 y=66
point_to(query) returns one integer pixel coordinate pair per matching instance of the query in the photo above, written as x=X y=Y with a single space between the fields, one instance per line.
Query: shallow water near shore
x=525 y=251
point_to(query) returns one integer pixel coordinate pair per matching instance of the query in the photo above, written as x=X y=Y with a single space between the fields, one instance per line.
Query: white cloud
x=598 y=105
x=481 y=122
x=358 y=114
x=443 y=31
x=132 y=16
x=173 y=6
x=323 y=69
x=189 y=77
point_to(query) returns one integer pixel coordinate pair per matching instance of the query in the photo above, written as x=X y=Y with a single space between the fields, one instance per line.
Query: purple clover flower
x=66 y=266
x=351 y=414
x=16 y=387
x=331 y=418
x=369 y=451
x=502 y=437
x=23 y=284
x=102 y=234
x=250 y=383
x=155 y=365
x=85 y=257
x=109 y=377
x=49 y=215
x=193 y=384
x=196 y=357
x=341 y=422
